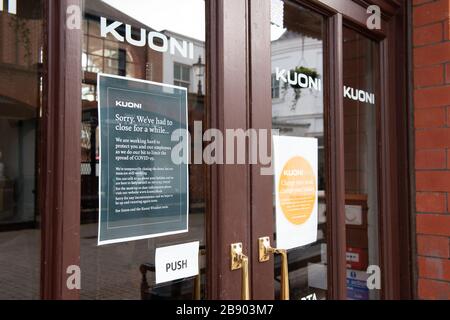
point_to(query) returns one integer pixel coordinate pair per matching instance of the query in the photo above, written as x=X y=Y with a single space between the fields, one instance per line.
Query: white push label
x=176 y=262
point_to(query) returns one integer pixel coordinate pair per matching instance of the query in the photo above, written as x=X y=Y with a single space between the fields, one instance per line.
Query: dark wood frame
x=228 y=101
x=238 y=94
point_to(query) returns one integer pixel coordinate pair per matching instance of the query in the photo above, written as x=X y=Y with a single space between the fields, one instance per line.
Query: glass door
x=152 y=54
x=361 y=123
x=331 y=231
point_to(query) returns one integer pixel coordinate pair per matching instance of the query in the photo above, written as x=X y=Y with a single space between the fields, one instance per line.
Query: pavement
x=107 y=272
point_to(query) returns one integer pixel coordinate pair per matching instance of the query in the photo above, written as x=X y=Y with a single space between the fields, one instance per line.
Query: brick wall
x=431 y=41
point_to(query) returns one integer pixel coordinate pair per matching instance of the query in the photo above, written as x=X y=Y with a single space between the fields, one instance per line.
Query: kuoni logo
x=155 y=40
x=297 y=190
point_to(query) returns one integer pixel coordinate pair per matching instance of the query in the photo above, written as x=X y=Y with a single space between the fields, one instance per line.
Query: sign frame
x=186 y=147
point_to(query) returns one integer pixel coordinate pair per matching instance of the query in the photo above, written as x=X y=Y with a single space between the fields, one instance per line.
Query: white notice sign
x=176 y=262
x=296 y=185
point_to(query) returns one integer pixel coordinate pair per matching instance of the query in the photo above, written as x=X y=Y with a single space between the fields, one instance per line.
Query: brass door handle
x=264 y=255
x=240 y=261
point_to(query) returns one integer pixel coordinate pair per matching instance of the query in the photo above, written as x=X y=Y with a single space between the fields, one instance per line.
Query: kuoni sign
x=295 y=165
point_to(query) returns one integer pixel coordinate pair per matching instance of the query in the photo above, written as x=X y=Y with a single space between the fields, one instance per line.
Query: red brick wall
x=431 y=41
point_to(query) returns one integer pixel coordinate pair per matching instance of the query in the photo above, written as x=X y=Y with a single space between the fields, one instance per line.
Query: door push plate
x=236 y=256
x=264 y=245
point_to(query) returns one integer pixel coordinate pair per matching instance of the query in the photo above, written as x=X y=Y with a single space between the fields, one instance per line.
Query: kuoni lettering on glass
x=156 y=41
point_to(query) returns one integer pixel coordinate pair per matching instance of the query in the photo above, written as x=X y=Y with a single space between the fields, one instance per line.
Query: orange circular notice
x=297 y=190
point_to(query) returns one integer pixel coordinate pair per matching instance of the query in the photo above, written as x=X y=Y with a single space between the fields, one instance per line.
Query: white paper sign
x=176 y=262
x=296 y=185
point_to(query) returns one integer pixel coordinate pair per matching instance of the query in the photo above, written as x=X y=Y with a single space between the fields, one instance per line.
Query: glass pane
x=85 y=43
x=127 y=270
x=95 y=46
x=131 y=71
x=112 y=49
x=297 y=48
x=111 y=66
x=21 y=43
x=94 y=63
x=94 y=28
x=85 y=26
x=177 y=71
x=186 y=74
x=275 y=87
x=130 y=57
x=361 y=76
x=88 y=92
x=181 y=84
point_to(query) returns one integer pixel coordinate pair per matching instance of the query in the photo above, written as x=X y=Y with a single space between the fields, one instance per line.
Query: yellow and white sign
x=295 y=165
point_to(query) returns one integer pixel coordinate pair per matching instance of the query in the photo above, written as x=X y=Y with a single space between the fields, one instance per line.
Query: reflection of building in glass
x=298 y=111
x=301 y=107
x=360 y=144
x=111 y=56
x=20 y=63
x=179 y=70
x=108 y=55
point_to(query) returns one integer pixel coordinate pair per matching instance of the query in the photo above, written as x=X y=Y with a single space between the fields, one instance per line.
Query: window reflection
x=126 y=270
x=297 y=110
x=102 y=55
x=182 y=75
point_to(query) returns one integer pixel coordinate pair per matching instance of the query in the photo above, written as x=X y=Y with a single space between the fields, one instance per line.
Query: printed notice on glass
x=143 y=193
x=295 y=165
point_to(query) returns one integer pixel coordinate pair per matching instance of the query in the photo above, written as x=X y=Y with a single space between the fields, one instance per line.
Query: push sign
x=176 y=262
